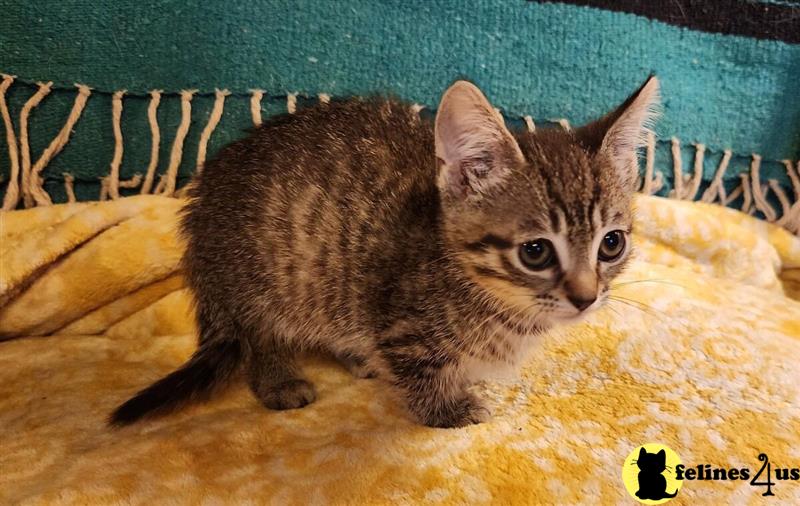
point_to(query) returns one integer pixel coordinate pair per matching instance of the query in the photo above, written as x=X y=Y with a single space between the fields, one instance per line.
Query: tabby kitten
x=425 y=254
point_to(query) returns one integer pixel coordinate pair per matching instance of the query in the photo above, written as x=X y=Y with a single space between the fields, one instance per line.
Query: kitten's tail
x=210 y=366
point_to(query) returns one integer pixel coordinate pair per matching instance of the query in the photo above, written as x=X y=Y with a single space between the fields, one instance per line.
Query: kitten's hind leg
x=274 y=377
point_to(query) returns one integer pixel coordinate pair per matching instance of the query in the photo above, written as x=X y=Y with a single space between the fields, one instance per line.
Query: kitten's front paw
x=290 y=394
x=467 y=410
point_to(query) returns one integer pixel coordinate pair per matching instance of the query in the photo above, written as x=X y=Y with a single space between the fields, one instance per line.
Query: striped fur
x=333 y=230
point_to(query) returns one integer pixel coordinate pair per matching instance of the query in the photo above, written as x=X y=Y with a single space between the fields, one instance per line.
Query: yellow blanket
x=703 y=358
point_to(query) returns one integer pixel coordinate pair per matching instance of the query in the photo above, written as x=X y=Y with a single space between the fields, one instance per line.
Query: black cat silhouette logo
x=649 y=473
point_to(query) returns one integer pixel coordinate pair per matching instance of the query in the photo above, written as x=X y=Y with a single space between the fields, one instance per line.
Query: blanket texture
x=703 y=358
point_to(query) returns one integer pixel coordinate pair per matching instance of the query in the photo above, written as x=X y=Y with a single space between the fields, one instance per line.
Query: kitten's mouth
x=566 y=317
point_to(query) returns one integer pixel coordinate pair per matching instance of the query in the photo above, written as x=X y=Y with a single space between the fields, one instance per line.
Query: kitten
x=413 y=251
x=652 y=484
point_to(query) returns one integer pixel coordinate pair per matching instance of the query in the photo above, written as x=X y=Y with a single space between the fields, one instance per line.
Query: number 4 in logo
x=769 y=483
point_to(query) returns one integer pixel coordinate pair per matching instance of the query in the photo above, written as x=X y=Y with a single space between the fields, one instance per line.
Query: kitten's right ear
x=623 y=131
x=474 y=147
x=642 y=453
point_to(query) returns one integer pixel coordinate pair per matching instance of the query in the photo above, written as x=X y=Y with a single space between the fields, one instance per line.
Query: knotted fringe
x=651 y=185
x=759 y=190
x=116 y=116
x=44 y=89
x=26 y=181
x=34 y=190
x=791 y=214
x=166 y=186
x=152 y=119
x=255 y=106
x=752 y=189
x=69 y=187
x=691 y=181
x=716 y=190
x=291 y=103
x=12 y=192
x=213 y=120
x=529 y=124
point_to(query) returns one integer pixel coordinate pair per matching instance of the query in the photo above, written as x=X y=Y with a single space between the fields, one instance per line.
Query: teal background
x=545 y=60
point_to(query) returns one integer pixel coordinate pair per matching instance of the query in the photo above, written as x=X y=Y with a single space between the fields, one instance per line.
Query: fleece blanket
x=700 y=355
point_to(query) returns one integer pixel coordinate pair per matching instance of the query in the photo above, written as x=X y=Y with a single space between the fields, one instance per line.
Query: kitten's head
x=542 y=220
x=652 y=462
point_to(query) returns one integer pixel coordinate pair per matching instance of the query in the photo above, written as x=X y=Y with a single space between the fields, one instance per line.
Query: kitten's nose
x=580 y=287
x=580 y=303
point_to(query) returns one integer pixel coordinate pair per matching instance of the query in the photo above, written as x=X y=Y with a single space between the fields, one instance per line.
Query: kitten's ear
x=474 y=147
x=642 y=453
x=662 y=454
x=622 y=132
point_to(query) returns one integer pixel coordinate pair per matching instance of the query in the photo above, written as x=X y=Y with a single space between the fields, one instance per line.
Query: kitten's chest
x=500 y=355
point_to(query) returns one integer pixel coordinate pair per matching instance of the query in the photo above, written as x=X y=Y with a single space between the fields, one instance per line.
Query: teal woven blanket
x=163 y=84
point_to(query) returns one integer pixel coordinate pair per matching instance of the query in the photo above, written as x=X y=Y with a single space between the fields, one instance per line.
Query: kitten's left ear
x=622 y=132
x=474 y=146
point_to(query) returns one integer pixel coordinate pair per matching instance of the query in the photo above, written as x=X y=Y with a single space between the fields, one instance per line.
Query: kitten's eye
x=537 y=255
x=612 y=246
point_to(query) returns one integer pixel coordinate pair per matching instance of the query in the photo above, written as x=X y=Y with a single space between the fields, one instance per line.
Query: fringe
x=213 y=120
x=152 y=119
x=69 y=187
x=116 y=115
x=255 y=106
x=12 y=192
x=26 y=181
x=166 y=185
x=44 y=89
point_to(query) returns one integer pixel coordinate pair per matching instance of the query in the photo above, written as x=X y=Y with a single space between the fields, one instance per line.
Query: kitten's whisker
x=644 y=306
x=614 y=310
x=626 y=303
x=660 y=281
x=633 y=303
x=638 y=305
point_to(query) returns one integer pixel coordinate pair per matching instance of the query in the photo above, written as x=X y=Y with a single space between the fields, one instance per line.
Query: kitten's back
x=313 y=213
